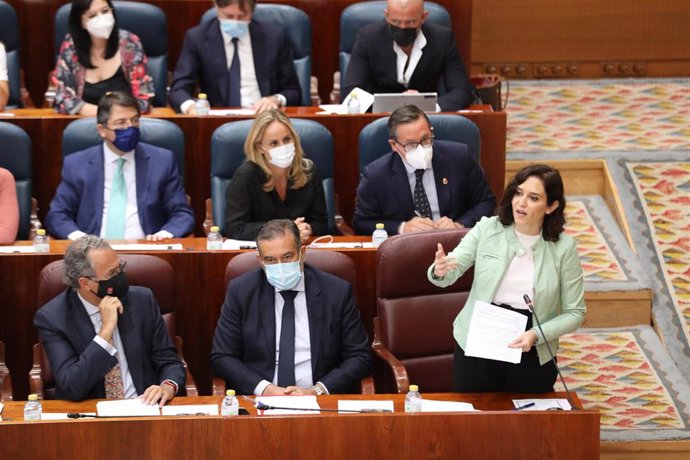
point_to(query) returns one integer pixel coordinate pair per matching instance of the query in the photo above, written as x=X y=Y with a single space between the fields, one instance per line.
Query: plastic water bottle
x=379 y=235
x=214 y=240
x=33 y=408
x=230 y=406
x=202 y=105
x=353 y=105
x=413 y=400
x=41 y=241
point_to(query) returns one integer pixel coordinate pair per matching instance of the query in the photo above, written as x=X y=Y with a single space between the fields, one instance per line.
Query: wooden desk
x=495 y=432
x=199 y=294
x=45 y=129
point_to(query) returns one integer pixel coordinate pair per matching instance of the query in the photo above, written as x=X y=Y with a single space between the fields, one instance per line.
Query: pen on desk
x=525 y=406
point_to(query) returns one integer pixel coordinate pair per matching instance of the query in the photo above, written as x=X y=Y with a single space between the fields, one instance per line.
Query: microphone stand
x=530 y=305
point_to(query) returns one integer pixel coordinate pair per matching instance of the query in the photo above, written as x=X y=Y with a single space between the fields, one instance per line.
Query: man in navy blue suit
x=288 y=328
x=237 y=62
x=122 y=189
x=103 y=338
x=422 y=184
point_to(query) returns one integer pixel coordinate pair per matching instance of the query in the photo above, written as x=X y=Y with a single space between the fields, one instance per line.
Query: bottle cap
x=215 y=228
x=380 y=226
x=230 y=393
x=41 y=231
x=203 y=96
x=33 y=397
x=414 y=388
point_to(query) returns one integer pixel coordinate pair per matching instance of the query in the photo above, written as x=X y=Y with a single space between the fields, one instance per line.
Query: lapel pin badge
x=445 y=181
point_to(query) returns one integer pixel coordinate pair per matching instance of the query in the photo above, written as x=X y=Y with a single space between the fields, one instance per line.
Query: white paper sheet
x=294 y=403
x=430 y=405
x=491 y=329
x=6 y=114
x=348 y=245
x=360 y=405
x=191 y=409
x=126 y=408
x=542 y=404
x=366 y=100
x=60 y=415
x=229 y=112
x=235 y=245
x=2 y=406
x=16 y=249
x=146 y=247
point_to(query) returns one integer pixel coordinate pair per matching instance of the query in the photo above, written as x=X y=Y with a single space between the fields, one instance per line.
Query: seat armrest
x=367 y=386
x=208 y=219
x=35 y=374
x=218 y=386
x=402 y=381
x=190 y=384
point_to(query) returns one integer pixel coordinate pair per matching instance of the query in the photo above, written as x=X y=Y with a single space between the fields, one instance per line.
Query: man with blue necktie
x=123 y=188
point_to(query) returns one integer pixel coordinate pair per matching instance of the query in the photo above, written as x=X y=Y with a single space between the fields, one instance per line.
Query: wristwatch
x=319 y=389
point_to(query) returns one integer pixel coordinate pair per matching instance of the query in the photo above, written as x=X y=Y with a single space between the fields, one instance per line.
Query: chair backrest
x=227 y=154
x=149 y=23
x=82 y=134
x=142 y=270
x=15 y=156
x=297 y=27
x=9 y=36
x=335 y=263
x=360 y=14
x=415 y=317
x=373 y=139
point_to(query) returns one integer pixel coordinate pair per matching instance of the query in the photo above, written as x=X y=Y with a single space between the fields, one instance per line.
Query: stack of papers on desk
x=126 y=408
x=291 y=405
x=16 y=249
x=146 y=247
x=430 y=405
x=191 y=409
x=231 y=112
x=343 y=244
x=236 y=245
x=542 y=404
x=362 y=405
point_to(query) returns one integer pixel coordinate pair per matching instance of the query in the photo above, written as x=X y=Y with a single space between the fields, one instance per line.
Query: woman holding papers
x=275 y=182
x=521 y=253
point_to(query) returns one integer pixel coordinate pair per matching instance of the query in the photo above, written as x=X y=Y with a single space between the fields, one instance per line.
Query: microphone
x=262 y=406
x=530 y=305
x=76 y=415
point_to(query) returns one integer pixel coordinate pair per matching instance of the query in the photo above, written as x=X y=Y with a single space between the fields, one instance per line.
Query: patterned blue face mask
x=284 y=276
x=234 y=28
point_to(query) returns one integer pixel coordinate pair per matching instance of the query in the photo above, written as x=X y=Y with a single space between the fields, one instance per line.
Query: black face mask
x=403 y=37
x=117 y=286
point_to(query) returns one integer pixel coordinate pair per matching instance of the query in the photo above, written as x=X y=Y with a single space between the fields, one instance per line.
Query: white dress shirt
x=429 y=182
x=519 y=277
x=117 y=350
x=3 y=63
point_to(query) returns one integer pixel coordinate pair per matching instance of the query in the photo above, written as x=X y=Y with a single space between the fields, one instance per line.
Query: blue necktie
x=115 y=225
x=286 y=354
x=235 y=99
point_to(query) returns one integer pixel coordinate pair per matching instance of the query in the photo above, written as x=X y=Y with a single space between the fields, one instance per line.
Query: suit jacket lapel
x=216 y=54
x=81 y=325
x=402 y=184
x=267 y=314
x=97 y=172
x=440 y=167
x=260 y=53
x=132 y=345
x=141 y=159
x=312 y=291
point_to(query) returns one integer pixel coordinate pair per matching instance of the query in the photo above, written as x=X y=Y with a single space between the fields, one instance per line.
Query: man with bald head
x=405 y=53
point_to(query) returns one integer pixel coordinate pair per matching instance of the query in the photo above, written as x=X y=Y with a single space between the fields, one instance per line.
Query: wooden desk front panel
x=498 y=433
x=45 y=129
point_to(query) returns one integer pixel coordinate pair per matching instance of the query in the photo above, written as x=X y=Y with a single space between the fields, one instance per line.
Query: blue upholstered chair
x=81 y=134
x=297 y=27
x=227 y=154
x=373 y=139
x=15 y=156
x=360 y=14
x=9 y=36
x=146 y=21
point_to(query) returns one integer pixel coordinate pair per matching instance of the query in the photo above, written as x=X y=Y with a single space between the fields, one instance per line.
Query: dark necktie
x=421 y=202
x=235 y=99
x=286 y=355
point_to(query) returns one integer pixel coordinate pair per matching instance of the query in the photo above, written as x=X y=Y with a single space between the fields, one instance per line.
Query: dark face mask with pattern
x=403 y=37
x=117 y=286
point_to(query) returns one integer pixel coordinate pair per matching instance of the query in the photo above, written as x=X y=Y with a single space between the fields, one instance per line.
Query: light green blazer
x=558 y=279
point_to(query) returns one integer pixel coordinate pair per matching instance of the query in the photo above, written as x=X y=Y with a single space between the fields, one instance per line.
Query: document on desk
x=342 y=245
x=430 y=405
x=61 y=415
x=491 y=329
x=191 y=409
x=231 y=112
x=350 y=404
x=542 y=404
x=126 y=408
x=17 y=249
x=289 y=405
x=236 y=245
x=147 y=247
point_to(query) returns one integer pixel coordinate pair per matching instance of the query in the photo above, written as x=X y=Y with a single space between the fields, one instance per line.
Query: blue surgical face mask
x=234 y=28
x=126 y=139
x=284 y=276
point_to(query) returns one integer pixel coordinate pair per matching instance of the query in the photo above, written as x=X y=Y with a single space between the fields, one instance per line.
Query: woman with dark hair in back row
x=97 y=57
x=520 y=255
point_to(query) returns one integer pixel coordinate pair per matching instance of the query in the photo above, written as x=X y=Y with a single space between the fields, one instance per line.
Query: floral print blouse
x=69 y=75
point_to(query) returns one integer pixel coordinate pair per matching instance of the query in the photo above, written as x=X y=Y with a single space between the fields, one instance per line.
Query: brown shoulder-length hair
x=554 y=222
x=300 y=169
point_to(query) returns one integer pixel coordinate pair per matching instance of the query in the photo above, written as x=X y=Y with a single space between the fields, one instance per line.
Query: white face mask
x=101 y=25
x=420 y=158
x=282 y=156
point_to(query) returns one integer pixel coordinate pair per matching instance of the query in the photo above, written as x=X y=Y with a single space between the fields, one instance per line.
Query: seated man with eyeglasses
x=103 y=338
x=123 y=188
x=422 y=184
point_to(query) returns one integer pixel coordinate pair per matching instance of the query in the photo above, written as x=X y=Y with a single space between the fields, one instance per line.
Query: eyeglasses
x=124 y=123
x=121 y=268
x=410 y=146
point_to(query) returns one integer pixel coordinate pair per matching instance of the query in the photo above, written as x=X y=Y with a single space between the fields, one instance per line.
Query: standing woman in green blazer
x=522 y=250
